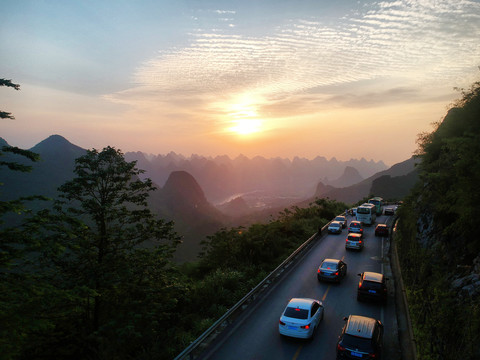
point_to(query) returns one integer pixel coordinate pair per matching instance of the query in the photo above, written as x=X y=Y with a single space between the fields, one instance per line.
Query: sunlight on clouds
x=298 y=65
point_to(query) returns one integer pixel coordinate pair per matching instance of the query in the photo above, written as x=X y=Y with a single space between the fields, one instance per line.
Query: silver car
x=335 y=227
x=354 y=241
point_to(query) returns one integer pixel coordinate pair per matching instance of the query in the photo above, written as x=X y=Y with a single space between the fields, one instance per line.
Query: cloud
x=296 y=65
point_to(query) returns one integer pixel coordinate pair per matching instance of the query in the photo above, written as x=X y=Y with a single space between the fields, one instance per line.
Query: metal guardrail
x=202 y=342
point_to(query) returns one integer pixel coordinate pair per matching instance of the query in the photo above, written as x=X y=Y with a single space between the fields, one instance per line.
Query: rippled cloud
x=306 y=64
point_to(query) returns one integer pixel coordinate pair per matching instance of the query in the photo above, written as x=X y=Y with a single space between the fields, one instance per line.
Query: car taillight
x=340 y=347
x=281 y=322
x=360 y=241
x=318 y=271
x=305 y=326
x=336 y=273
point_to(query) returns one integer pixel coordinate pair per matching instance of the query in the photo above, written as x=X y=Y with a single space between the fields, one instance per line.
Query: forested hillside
x=438 y=240
x=93 y=277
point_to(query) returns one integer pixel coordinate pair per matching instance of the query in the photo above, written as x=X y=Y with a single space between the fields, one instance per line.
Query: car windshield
x=296 y=313
x=355 y=225
x=363 y=210
x=329 y=266
x=355 y=342
x=340 y=218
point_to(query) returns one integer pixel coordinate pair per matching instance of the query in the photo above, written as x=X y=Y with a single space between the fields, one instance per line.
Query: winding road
x=254 y=335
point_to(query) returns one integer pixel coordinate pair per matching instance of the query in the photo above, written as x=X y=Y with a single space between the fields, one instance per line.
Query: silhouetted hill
x=396 y=187
x=355 y=193
x=57 y=161
x=183 y=200
x=220 y=177
x=349 y=177
x=323 y=189
x=235 y=208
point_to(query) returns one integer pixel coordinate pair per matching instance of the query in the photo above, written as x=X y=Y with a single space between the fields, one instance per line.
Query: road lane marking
x=297 y=353
x=326 y=292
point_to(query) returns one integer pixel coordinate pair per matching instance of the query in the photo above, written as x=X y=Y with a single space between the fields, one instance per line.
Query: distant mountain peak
x=3 y=142
x=57 y=146
x=180 y=184
x=53 y=142
x=349 y=177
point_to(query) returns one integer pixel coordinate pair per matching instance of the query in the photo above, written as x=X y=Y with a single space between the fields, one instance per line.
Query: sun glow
x=244 y=117
x=246 y=126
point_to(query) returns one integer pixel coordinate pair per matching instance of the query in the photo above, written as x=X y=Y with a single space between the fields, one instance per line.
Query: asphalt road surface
x=255 y=334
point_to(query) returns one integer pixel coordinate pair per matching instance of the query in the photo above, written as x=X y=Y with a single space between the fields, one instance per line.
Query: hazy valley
x=203 y=194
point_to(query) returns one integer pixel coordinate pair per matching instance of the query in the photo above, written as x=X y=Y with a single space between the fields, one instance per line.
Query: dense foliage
x=92 y=278
x=438 y=247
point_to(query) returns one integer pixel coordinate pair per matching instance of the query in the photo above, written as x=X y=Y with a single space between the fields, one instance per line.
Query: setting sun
x=246 y=126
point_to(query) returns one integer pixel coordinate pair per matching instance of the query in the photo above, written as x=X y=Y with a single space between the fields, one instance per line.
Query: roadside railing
x=204 y=340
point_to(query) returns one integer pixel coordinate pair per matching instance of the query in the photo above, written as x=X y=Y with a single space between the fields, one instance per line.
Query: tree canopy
x=438 y=245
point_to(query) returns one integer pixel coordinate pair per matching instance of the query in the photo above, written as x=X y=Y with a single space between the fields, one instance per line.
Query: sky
x=274 y=78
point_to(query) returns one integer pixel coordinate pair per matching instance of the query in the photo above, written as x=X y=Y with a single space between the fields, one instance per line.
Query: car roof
x=331 y=260
x=382 y=225
x=354 y=235
x=355 y=222
x=335 y=223
x=340 y=216
x=360 y=326
x=301 y=303
x=372 y=276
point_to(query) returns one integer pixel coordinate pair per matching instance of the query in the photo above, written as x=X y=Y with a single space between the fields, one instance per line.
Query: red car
x=381 y=230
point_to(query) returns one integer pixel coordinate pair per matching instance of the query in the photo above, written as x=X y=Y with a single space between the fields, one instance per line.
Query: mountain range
x=202 y=194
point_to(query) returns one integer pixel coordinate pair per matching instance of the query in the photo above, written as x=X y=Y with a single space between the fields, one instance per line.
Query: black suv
x=372 y=286
x=361 y=338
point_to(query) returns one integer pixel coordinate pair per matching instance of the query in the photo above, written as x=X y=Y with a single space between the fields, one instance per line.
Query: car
x=355 y=227
x=301 y=317
x=361 y=338
x=381 y=230
x=335 y=227
x=372 y=286
x=389 y=211
x=342 y=220
x=331 y=270
x=354 y=241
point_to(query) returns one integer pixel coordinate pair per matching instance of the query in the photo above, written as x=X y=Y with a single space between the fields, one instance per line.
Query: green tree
x=437 y=241
x=5 y=82
x=16 y=297
x=104 y=259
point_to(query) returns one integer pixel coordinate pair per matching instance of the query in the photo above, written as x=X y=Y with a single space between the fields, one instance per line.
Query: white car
x=335 y=227
x=300 y=318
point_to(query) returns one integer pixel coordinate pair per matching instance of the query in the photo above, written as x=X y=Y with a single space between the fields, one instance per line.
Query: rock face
x=468 y=285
